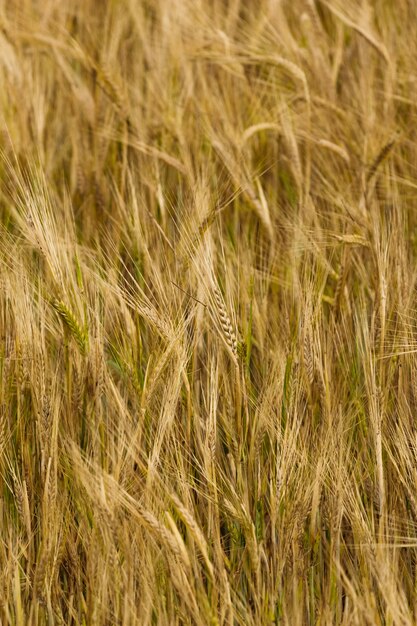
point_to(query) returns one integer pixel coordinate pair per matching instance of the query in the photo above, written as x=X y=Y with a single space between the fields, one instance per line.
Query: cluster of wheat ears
x=208 y=332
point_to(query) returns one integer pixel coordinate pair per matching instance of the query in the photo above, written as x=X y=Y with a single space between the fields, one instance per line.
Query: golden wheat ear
x=226 y=324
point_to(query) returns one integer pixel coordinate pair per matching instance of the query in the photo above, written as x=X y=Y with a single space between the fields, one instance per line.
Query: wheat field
x=208 y=324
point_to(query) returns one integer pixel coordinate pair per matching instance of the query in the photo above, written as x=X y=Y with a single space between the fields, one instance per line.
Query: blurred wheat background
x=208 y=326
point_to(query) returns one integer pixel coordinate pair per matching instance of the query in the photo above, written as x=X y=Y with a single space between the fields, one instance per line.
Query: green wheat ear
x=242 y=349
x=72 y=324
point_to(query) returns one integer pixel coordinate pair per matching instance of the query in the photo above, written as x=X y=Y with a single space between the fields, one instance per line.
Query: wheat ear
x=225 y=322
x=70 y=321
